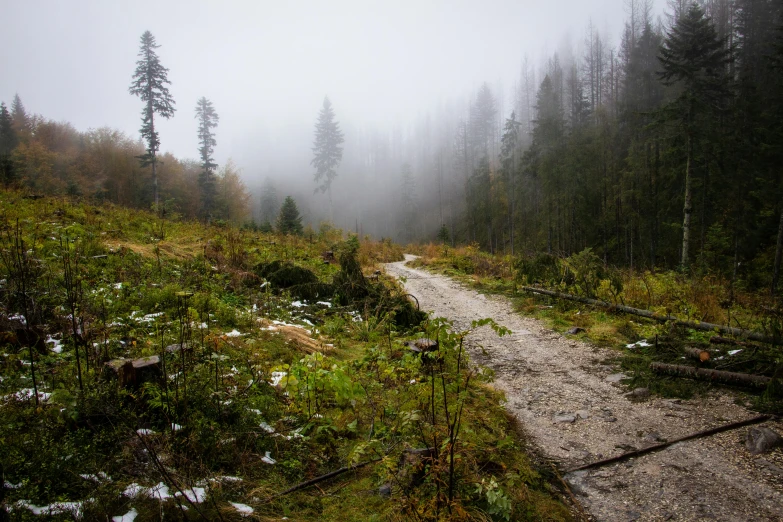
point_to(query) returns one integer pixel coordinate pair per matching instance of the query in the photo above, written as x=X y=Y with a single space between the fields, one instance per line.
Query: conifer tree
x=288 y=220
x=327 y=150
x=692 y=58
x=270 y=206
x=207 y=120
x=149 y=84
x=21 y=121
x=8 y=143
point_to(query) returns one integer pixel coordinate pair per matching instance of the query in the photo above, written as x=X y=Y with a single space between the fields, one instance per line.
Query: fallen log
x=733 y=342
x=697 y=353
x=730 y=330
x=327 y=476
x=724 y=377
x=656 y=447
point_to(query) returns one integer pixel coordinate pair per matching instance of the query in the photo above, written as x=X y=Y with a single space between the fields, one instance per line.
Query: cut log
x=133 y=372
x=742 y=379
x=729 y=330
x=422 y=345
x=697 y=353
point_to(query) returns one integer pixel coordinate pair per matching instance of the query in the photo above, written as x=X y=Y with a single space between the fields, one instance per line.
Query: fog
x=400 y=75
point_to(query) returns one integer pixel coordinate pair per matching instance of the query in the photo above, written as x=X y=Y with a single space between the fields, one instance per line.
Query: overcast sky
x=267 y=65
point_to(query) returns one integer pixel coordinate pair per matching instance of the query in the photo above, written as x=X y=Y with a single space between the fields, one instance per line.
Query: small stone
x=653 y=436
x=575 y=330
x=385 y=490
x=564 y=418
x=616 y=377
x=582 y=414
x=761 y=439
x=641 y=392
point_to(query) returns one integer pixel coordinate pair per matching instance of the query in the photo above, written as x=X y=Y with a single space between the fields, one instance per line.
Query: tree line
x=665 y=152
x=48 y=157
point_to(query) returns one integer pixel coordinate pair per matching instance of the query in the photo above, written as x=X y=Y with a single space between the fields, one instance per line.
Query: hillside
x=155 y=368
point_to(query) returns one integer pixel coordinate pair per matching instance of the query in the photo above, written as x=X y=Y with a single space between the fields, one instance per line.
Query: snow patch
x=268 y=458
x=130 y=516
x=243 y=509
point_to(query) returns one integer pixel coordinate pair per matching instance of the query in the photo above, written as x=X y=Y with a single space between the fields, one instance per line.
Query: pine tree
x=149 y=84
x=21 y=121
x=269 y=204
x=288 y=220
x=482 y=120
x=207 y=120
x=693 y=59
x=327 y=150
x=8 y=143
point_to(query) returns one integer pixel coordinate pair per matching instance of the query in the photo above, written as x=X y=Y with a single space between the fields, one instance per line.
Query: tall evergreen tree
x=270 y=206
x=693 y=59
x=207 y=120
x=21 y=121
x=408 y=204
x=327 y=150
x=7 y=144
x=149 y=84
x=288 y=220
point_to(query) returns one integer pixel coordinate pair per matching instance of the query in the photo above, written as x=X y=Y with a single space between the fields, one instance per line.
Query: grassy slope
x=352 y=392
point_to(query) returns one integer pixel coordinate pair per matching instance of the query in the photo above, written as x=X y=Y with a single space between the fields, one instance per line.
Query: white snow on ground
x=195 y=495
x=100 y=477
x=277 y=377
x=55 y=508
x=638 y=344
x=58 y=347
x=26 y=394
x=243 y=509
x=175 y=427
x=234 y=333
x=8 y=485
x=268 y=458
x=18 y=317
x=298 y=304
x=325 y=303
x=130 y=516
x=734 y=352
x=117 y=286
x=266 y=427
x=227 y=478
x=144 y=432
x=159 y=491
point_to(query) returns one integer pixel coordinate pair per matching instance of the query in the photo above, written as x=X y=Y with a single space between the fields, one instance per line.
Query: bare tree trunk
x=778 y=255
x=688 y=207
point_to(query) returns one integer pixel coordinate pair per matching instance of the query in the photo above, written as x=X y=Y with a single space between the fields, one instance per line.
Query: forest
x=661 y=150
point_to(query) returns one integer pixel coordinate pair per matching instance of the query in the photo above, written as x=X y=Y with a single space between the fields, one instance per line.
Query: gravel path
x=575 y=412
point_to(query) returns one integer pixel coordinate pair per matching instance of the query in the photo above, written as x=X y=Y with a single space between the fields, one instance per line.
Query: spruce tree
x=149 y=84
x=289 y=221
x=8 y=143
x=207 y=120
x=327 y=150
x=693 y=59
x=270 y=206
x=19 y=117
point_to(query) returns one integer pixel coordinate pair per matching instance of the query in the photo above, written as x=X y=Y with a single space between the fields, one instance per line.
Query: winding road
x=571 y=402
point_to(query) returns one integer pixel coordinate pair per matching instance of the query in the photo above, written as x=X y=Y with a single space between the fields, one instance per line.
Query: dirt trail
x=550 y=380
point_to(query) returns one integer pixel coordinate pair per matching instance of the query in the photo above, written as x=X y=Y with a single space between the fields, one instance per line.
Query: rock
x=653 y=436
x=582 y=414
x=761 y=439
x=616 y=377
x=385 y=490
x=564 y=418
x=575 y=330
x=640 y=393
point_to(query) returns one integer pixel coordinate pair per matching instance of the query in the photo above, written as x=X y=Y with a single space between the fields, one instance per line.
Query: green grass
x=140 y=284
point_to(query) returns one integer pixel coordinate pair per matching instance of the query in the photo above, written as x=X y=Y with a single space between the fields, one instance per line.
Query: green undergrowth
x=277 y=363
x=638 y=341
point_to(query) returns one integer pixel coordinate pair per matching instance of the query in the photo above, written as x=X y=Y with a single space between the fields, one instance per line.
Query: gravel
x=546 y=376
